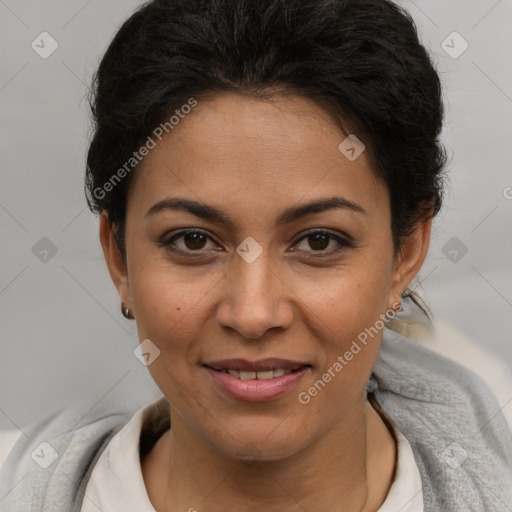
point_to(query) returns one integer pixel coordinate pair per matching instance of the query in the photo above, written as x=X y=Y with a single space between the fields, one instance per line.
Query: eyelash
x=344 y=244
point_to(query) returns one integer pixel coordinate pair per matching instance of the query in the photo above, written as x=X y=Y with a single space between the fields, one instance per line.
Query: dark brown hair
x=361 y=59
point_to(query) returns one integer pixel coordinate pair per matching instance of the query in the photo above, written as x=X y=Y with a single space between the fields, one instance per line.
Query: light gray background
x=62 y=334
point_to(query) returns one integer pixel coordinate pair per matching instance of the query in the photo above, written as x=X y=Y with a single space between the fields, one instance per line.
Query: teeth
x=263 y=375
x=247 y=375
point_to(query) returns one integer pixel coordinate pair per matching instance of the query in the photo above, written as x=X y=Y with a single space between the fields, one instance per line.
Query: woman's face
x=257 y=281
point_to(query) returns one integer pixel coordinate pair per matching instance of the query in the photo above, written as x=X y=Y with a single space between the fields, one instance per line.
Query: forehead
x=239 y=151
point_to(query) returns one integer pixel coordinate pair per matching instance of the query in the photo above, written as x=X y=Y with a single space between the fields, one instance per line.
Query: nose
x=255 y=298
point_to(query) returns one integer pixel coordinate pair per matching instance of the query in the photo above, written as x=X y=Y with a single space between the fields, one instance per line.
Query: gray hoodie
x=458 y=435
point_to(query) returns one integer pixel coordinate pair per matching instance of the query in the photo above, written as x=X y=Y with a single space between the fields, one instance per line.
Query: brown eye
x=194 y=240
x=188 y=241
x=320 y=241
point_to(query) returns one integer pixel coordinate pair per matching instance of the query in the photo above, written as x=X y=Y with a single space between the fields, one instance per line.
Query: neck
x=335 y=472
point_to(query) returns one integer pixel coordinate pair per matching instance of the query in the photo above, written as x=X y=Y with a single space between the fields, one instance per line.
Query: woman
x=266 y=174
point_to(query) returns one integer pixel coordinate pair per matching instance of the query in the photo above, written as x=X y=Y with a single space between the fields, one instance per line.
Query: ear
x=412 y=255
x=114 y=259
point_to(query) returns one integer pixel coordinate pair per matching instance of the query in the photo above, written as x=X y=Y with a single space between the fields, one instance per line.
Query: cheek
x=349 y=346
x=345 y=301
x=164 y=305
x=348 y=311
x=166 y=309
x=166 y=298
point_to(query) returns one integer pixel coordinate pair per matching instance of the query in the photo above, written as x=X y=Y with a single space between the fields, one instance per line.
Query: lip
x=256 y=390
x=260 y=365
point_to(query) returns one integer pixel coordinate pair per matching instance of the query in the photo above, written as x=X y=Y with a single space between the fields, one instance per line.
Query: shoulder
x=453 y=368
x=452 y=420
x=51 y=458
x=431 y=385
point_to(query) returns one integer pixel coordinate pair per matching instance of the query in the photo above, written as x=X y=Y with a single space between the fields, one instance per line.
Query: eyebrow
x=211 y=213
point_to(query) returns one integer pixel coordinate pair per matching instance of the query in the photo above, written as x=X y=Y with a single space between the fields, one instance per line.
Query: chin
x=257 y=445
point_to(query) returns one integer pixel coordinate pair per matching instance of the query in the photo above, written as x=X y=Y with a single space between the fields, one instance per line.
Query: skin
x=253 y=159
